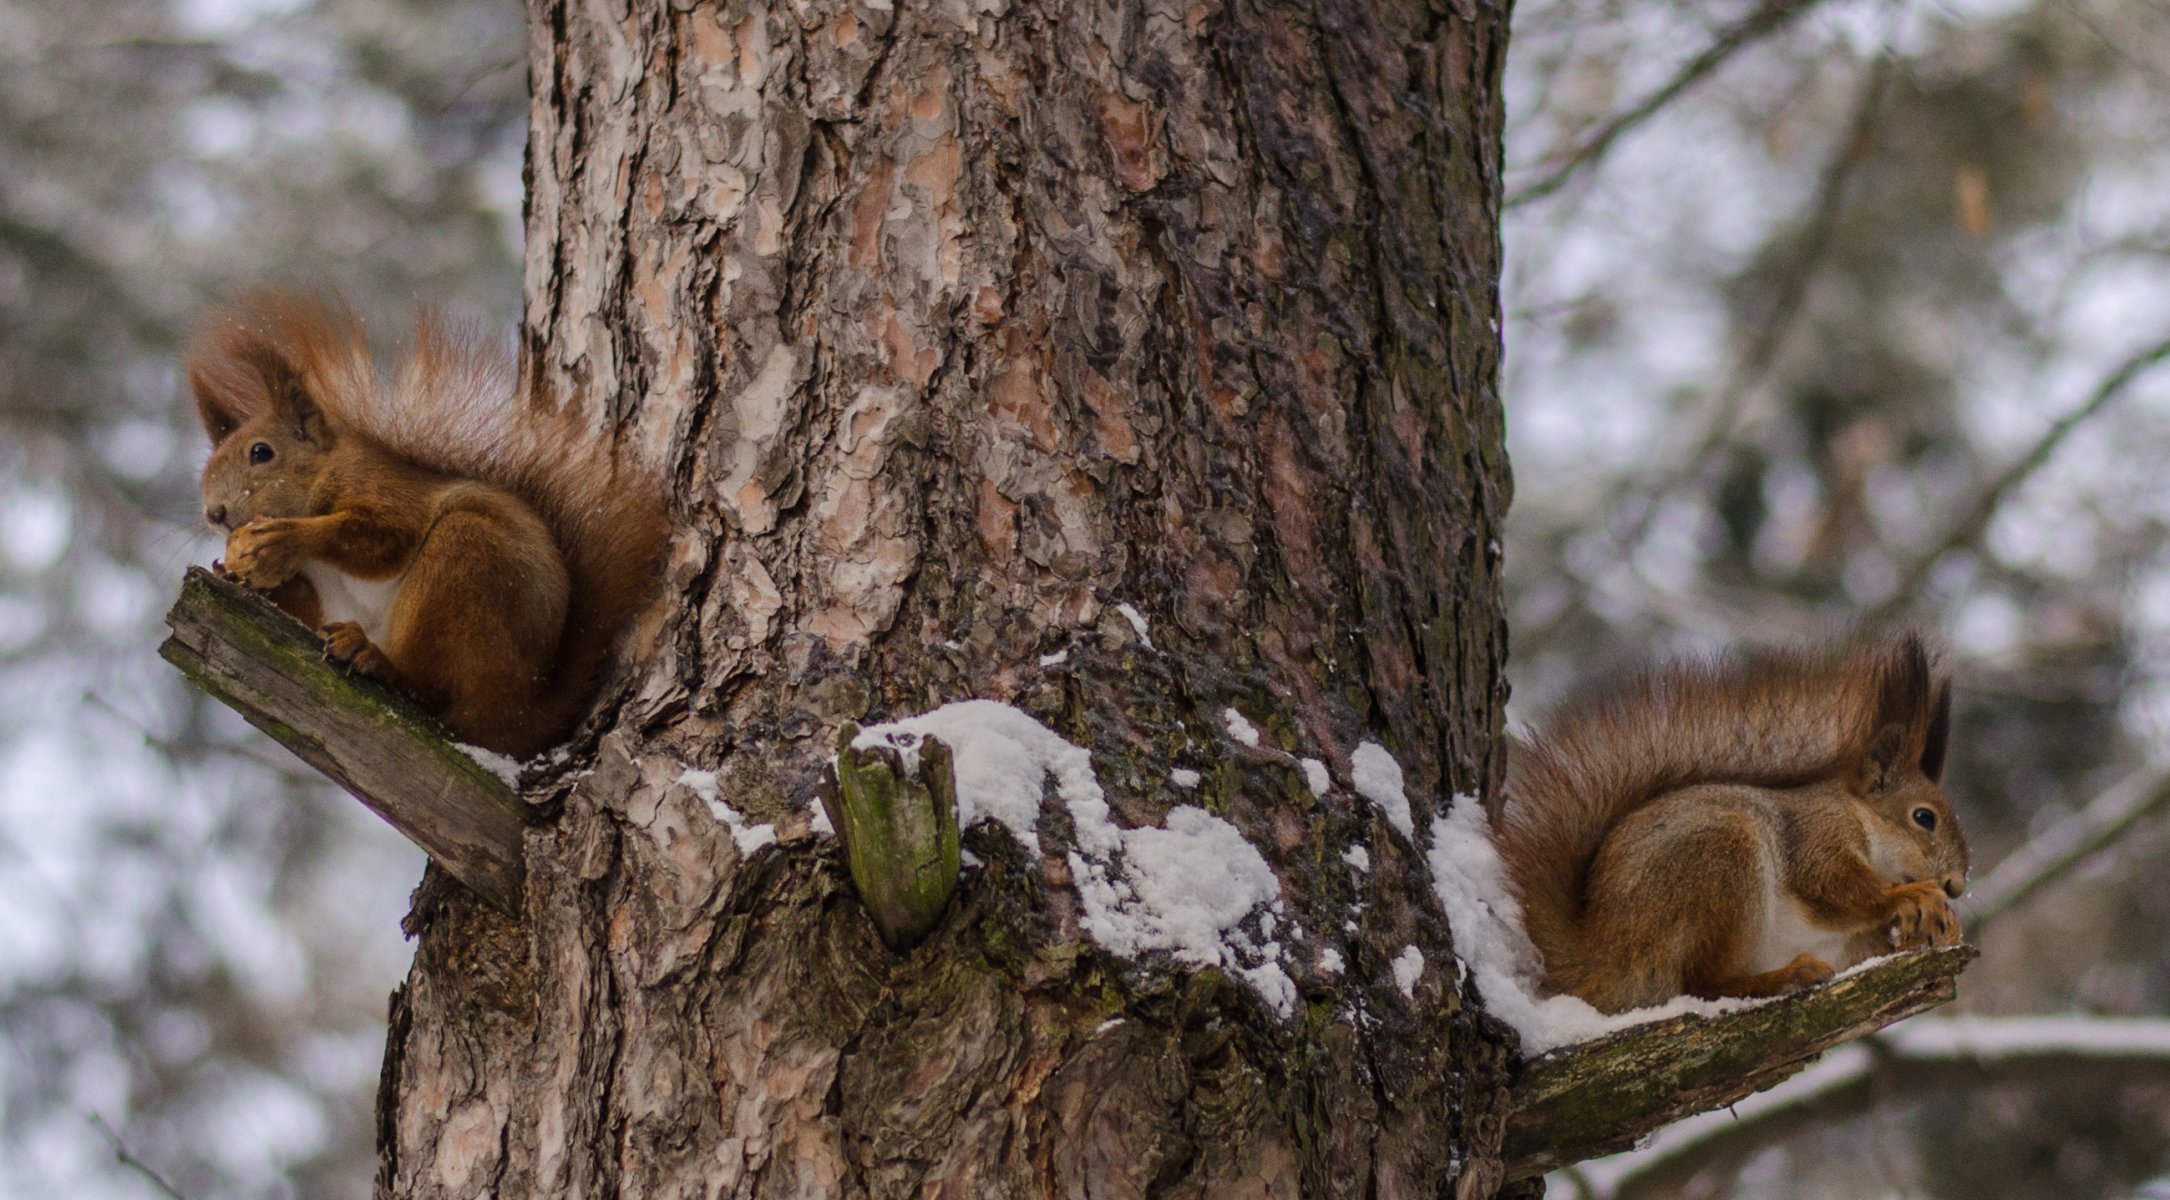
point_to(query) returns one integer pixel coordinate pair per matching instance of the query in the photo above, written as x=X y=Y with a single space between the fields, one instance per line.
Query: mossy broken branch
x=1599 y=1097
x=898 y=824
x=378 y=745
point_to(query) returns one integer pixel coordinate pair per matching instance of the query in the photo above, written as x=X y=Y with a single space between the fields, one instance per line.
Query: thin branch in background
x=2067 y=844
x=1730 y=397
x=127 y=1158
x=1919 y=1058
x=1968 y=529
x=1771 y=17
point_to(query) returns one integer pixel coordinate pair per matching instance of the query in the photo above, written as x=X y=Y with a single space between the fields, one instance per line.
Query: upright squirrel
x=477 y=550
x=1741 y=828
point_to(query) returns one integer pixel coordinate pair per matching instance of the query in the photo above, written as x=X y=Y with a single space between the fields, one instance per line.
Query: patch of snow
x=1056 y=659
x=1238 y=728
x=1330 y=962
x=1315 y=775
x=504 y=766
x=748 y=838
x=1137 y=622
x=1471 y=882
x=1106 y=1025
x=819 y=823
x=1378 y=779
x=1184 y=777
x=1408 y=968
x=1000 y=756
x=1272 y=984
x=1357 y=857
x=1186 y=889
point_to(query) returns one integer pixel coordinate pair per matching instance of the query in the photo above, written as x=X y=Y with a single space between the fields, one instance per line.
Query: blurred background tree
x=1816 y=310
x=196 y=936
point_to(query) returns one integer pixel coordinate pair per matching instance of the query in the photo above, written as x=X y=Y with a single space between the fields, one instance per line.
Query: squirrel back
x=1768 y=723
x=450 y=409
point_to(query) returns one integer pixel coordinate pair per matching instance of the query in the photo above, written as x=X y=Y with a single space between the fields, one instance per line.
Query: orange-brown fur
x=502 y=540
x=1741 y=828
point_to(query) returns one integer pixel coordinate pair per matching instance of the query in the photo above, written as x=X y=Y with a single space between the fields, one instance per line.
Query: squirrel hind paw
x=1804 y=971
x=348 y=645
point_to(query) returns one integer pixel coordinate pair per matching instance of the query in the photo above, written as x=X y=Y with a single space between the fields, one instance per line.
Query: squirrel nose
x=1955 y=885
x=216 y=514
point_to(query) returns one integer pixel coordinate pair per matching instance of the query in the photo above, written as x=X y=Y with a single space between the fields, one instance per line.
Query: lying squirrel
x=1744 y=828
x=480 y=553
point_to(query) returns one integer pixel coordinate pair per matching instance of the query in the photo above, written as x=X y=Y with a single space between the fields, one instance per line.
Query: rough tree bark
x=958 y=326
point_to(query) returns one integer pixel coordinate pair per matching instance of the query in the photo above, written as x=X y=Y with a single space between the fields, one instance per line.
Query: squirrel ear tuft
x=1938 y=738
x=1887 y=754
x=217 y=408
x=299 y=409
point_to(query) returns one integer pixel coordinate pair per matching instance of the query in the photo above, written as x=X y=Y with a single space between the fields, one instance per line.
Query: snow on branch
x=1916 y=1059
x=378 y=745
x=1601 y=1097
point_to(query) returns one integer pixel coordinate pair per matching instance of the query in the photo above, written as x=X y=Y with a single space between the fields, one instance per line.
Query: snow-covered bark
x=1133 y=367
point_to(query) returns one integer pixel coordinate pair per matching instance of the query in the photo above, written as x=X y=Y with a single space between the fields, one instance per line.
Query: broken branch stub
x=899 y=830
x=378 y=745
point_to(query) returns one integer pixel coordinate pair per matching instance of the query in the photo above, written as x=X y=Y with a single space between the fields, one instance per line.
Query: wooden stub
x=1600 y=1097
x=376 y=744
x=899 y=830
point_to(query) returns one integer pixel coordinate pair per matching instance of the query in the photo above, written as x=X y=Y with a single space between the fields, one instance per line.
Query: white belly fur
x=1786 y=930
x=343 y=597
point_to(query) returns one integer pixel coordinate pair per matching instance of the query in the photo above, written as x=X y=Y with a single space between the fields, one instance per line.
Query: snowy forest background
x=1815 y=310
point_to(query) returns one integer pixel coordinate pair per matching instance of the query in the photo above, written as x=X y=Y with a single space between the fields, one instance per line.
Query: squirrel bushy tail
x=1773 y=720
x=451 y=406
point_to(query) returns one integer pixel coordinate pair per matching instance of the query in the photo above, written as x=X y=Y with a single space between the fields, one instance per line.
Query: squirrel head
x=258 y=375
x=1900 y=773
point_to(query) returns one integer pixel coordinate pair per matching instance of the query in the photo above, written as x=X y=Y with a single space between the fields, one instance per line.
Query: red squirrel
x=1742 y=828
x=478 y=552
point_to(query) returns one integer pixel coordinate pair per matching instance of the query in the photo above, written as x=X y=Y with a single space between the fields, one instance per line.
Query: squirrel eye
x=260 y=452
x=1926 y=818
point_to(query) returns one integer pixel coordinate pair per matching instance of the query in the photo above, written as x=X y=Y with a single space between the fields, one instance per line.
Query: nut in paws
x=263 y=554
x=1921 y=917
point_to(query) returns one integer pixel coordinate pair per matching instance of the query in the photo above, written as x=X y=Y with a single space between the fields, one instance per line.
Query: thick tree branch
x=1600 y=1097
x=1771 y=17
x=1918 y=1059
x=378 y=745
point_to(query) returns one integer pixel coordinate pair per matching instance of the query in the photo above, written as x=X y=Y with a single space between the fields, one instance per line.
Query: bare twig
x=128 y=1158
x=1968 y=529
x=2068 y=843
x=1915 y=1059
x=1730 y=397
x=1772 y=16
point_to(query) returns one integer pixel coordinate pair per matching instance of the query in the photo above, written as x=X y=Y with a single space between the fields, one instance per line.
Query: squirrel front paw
x=345 y=643
x=263 y=554
x=1921 y=917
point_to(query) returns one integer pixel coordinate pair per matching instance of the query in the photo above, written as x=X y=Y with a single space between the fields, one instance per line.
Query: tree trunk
x=959 y=328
